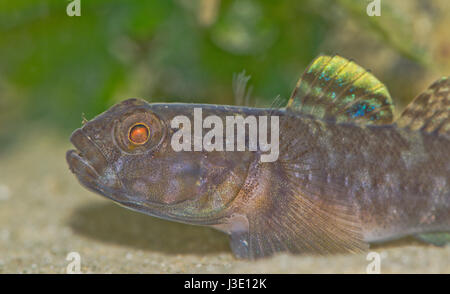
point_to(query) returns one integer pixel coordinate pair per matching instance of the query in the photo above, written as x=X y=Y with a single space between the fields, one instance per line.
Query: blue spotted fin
x=437 y=239
x=334 y=88
x=430 y=111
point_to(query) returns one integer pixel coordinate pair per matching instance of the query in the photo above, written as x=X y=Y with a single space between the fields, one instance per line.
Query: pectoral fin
x=289 y=217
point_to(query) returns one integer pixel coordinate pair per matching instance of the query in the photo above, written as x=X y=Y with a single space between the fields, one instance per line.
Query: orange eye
x=139 y=134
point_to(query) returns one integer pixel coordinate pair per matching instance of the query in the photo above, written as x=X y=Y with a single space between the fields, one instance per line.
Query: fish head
x=126 y=155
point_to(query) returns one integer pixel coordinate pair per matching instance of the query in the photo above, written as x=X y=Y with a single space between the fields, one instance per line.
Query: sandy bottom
x=45 y=215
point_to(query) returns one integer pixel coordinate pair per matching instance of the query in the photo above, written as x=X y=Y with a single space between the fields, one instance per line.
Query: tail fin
x=430 y=111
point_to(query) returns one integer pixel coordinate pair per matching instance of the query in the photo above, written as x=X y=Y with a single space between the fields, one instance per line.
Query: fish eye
x=139 y=133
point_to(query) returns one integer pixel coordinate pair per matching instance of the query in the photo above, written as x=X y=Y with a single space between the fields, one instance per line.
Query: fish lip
x=83 y=170
x=89 y=177
x=89 y=150
x=89 y=164
x=87 y=161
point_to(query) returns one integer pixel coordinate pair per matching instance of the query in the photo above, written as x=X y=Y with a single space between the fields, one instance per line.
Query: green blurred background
x=54 y=68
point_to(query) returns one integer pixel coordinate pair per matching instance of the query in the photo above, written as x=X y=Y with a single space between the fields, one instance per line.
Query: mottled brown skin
x=399 y=179
x=332 y=181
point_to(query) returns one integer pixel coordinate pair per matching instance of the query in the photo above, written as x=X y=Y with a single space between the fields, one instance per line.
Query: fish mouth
x=87 y=161
x=85 y=173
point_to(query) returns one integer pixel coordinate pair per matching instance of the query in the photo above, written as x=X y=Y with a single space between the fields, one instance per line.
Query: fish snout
x=87 y=161
x=92 y=169
x=85 y=173
x=88 y=151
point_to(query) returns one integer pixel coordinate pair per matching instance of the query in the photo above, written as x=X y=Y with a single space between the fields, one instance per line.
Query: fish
x=347 y=174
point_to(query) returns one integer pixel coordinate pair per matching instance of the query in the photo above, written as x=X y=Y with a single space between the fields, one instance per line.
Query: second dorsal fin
x=430 y=111
x=338 y=89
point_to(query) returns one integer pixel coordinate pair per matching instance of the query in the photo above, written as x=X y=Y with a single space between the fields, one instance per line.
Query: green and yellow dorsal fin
x=430 y=111
x=338 y=89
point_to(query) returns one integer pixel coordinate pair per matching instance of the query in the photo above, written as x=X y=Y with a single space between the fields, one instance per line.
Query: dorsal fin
x=335 y=88
x=242 y=92
x=430 y=111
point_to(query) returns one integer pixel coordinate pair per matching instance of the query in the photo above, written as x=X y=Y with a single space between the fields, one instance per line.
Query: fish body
x=345 y=175
x=399 y=179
